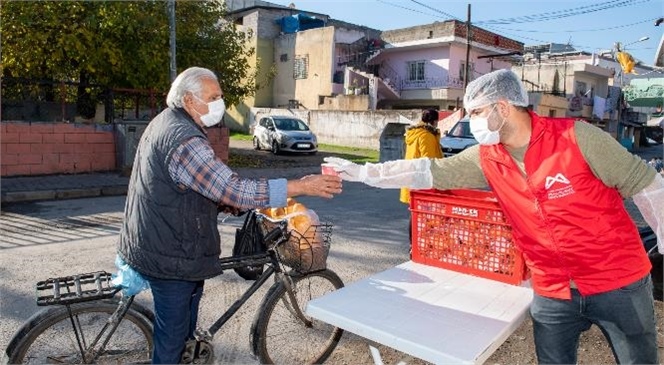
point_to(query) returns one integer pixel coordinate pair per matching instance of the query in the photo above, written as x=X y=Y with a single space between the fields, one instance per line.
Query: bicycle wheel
x=48 y=337
x=280 y=337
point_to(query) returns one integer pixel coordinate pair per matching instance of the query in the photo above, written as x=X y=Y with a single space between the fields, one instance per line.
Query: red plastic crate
x=464 y=231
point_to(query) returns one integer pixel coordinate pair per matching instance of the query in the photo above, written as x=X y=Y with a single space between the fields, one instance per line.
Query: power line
x=489 y=25
x=564 y=13
x=437 y=10
x=578 y=30
x=410 y=9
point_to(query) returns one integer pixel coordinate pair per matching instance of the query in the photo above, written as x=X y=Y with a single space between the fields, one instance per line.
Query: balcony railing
x=433 y=83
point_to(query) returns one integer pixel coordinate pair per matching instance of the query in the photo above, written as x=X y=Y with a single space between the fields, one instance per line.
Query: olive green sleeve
x=611 y=162
x=459 y=171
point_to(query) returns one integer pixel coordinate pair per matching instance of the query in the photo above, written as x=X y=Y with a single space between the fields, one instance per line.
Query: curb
x=60 y=194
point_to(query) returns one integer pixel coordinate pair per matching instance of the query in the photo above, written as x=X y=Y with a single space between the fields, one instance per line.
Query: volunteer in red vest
x=561 y=183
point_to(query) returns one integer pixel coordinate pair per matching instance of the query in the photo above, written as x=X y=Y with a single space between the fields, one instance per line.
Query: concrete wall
x=345 y=102
x=549 y=76
x=361 y=129
x=548 y=105
x=263 y=60
x=317 y=46
x=43 y=148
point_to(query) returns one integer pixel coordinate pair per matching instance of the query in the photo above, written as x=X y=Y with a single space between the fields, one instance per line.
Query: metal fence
x=35 y=100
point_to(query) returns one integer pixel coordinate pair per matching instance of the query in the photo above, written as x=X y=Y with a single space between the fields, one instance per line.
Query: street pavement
x=42 y=235
x=56 y=187
x=54 y=238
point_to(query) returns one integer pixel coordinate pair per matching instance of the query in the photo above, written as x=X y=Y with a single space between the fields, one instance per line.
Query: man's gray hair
x=188 y=80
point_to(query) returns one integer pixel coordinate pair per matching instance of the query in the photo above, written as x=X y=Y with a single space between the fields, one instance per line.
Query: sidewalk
x=25 y=189
x=53 y=187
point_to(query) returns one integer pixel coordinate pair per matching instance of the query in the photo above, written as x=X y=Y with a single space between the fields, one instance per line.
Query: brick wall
x=32 y=148
x=450 y=28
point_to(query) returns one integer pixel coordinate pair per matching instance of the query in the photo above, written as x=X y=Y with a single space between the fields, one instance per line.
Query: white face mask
x=216 y=110
x=479 y=127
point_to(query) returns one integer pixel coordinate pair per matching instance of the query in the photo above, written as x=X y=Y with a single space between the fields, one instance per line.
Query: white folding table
x=434 y=314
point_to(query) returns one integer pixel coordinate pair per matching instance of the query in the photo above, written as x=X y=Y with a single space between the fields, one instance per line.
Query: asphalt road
x=49 y=239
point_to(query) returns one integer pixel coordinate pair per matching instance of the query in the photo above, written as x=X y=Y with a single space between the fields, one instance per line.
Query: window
x=416 y=71
x=301 y=67
x=283 y=57
x=552 y=113
x=462 y=71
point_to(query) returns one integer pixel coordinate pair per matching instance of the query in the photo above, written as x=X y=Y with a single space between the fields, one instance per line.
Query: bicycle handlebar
x=276 y=233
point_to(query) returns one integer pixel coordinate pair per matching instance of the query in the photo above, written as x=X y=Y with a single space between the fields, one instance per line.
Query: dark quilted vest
x=168 y=233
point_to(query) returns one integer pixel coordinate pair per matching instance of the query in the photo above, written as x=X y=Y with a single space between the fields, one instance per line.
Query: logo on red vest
x=559 y=192
x=552 y=180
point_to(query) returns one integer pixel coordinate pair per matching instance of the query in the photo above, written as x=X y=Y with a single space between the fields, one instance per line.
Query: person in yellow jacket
x=422 y=140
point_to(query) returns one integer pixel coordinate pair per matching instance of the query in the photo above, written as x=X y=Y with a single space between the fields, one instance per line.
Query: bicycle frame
x=273 y=268
x=96 y=286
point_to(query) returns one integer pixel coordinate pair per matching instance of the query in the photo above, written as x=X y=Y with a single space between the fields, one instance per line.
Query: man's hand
x=325 y=186
x=348 y=171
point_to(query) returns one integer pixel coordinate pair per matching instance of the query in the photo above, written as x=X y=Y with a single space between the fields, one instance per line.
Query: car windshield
x=290 y=125
x=461 y=129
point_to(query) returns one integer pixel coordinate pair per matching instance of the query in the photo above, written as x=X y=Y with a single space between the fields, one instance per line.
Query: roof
x=249 y=5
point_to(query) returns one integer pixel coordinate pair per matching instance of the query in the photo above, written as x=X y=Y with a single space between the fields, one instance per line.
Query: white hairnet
x=497 y=85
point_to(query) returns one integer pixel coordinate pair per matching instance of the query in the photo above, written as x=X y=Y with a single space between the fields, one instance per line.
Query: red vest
x=567 y=223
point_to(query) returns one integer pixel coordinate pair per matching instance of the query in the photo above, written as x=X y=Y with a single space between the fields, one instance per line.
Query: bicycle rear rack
x=75 y=289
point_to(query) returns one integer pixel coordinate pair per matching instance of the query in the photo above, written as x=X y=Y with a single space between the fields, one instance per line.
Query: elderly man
x=169 y=234
x=561 y=184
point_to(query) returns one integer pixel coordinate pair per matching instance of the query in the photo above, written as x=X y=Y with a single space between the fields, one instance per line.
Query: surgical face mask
x=479 y=127
x=216 y=110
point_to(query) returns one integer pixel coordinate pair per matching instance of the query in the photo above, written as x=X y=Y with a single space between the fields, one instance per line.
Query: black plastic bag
x=249 y=241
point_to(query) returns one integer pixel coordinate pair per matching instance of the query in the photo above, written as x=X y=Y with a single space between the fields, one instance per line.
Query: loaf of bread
x=300 y=219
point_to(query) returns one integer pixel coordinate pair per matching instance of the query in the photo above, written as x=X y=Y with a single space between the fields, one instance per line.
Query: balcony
x=432 y=83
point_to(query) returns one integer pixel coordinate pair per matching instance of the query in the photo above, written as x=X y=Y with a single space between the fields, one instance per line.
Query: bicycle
x=87 y=322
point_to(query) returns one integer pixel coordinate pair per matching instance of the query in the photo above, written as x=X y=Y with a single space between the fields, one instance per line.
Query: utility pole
x=171 y=26
x=468 y=38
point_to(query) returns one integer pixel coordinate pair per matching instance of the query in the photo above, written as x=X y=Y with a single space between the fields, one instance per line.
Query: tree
x=121 y=44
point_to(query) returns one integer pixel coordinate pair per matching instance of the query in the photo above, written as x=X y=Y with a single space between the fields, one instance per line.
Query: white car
x=284 y=134
x=457 y=139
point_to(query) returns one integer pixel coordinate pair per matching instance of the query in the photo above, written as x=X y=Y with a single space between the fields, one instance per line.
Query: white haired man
x=169 y=234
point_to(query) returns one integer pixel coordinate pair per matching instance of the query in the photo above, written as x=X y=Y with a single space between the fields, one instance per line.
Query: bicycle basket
x=305 y=252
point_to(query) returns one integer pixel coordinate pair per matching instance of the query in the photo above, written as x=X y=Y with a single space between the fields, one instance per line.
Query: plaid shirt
x=194 y=166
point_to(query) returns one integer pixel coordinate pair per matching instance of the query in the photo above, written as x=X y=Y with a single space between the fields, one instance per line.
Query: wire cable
x=576 y=31
x=436 y=10
x=563 y=13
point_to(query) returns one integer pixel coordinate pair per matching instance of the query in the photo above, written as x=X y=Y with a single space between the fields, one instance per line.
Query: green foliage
x=123 y=44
